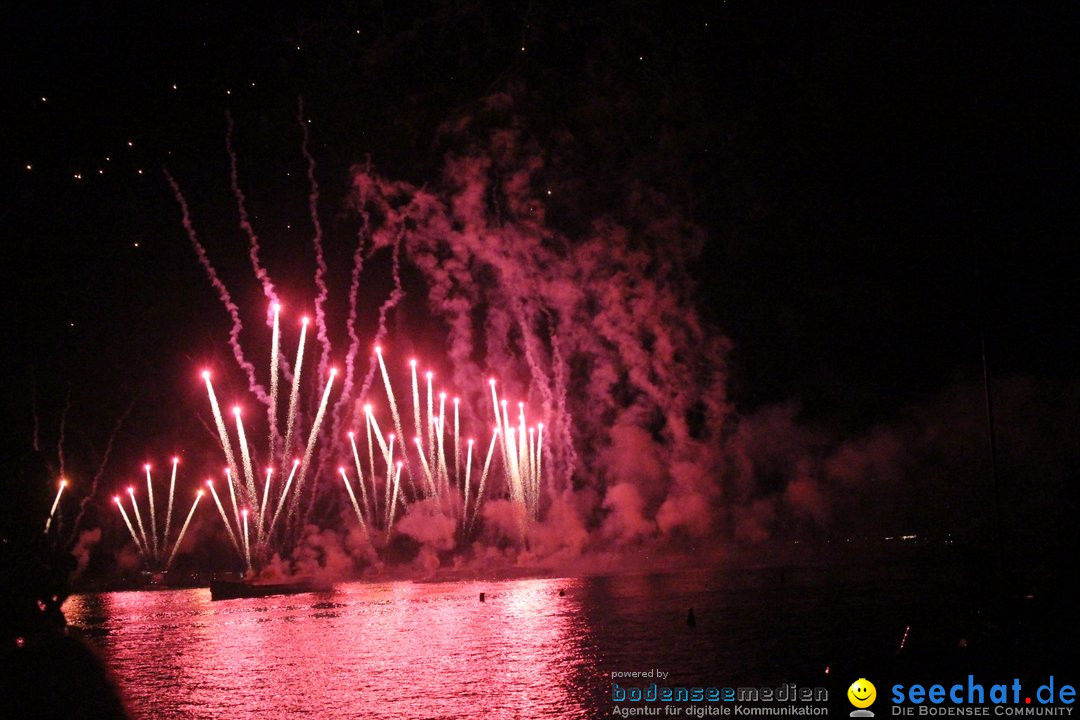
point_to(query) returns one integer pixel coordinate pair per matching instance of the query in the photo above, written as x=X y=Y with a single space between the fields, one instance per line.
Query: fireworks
x=319 y=437
x=245 y=500
x=438 y=459
x=56 y=501
x=155 y=547
x=439 y=463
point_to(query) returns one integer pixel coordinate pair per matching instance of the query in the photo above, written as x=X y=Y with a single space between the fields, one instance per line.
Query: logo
x=862 y=694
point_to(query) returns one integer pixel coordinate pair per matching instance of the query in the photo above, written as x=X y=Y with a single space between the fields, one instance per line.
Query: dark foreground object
x=230 y=589
x=56 y=675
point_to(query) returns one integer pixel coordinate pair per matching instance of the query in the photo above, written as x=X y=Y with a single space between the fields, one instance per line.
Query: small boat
x=230 y=589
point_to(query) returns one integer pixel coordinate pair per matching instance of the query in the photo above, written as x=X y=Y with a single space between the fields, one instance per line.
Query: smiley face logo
x=862 y=693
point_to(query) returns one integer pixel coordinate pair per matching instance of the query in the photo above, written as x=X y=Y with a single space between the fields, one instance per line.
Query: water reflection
x=405 y=650
x=398 y=650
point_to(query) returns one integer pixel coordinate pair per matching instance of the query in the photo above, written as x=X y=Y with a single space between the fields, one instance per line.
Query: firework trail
x=127 y=522
x=393 y=499
x=352 y=497
x=483 y=477
x=430 y=425
x=55 y=502
x=172 y=492
x=389 y=476
x=260 y=527
x=36 y=436
x=284 y=496
x=95 y=481
x=416 y=409
x=245 y=221
x=219 y=421
x=183 y=529
x=223 y=293
x=371 y=455
x=457 y=446
x=247 y=542
x=63 y=426
x=393 y=407
x=153 y=512
x=231 y=480
x=294 y=395
x=317 y=243
x=138 y=519
x=391 y=302
x=563 y=415
x=245 y=453
x=275 y=354
x=309 y=449
x=354 y=339
x=224 y=517
x=360 y=477
x=468 y=473
x=424 y=466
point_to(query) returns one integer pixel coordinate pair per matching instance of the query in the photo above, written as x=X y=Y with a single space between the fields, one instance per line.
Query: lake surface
x=409 y=650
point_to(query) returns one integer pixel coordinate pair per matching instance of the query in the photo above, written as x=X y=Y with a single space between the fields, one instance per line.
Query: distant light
x=29 y=167
x=206 y=374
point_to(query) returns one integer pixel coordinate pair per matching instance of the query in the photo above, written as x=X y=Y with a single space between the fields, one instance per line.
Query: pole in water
x=690 y=619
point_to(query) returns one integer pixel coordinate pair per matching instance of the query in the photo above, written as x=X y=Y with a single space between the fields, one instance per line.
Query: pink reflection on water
x=395 y=650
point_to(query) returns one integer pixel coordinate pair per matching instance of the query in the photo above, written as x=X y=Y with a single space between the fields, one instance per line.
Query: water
x=408 y=650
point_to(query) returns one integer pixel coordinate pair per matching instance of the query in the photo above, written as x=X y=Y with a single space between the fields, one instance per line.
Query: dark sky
x=851 y=165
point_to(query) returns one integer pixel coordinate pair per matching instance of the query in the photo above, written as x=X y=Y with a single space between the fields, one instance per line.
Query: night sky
x=869 y=181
